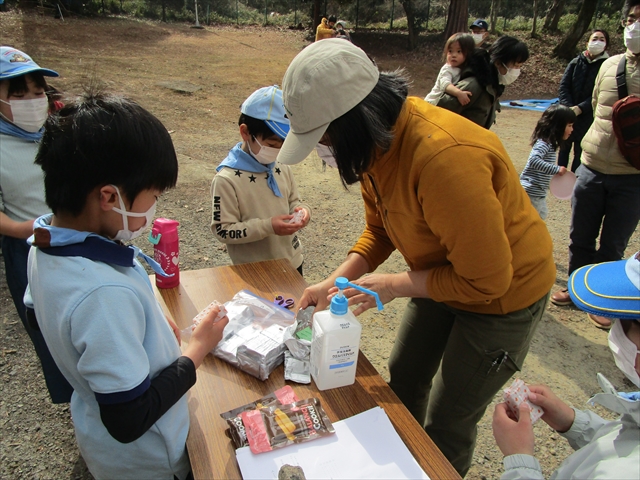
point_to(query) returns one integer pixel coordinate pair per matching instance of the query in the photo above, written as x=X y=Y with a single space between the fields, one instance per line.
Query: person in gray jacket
x=604 y=449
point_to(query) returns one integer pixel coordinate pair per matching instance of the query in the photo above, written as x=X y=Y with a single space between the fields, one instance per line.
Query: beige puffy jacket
x=600 y=150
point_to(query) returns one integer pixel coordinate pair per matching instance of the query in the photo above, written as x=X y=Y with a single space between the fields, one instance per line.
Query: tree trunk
x=567 y=47
x=411 y=23
x=457 y=18
x=553 y=16
x=493 y=16
x=535 y=19
x=317 y=7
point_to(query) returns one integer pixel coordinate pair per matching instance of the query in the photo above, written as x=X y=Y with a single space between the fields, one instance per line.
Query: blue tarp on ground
x=530 y=104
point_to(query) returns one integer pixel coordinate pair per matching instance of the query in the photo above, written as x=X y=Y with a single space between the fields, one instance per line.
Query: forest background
x=417 y=18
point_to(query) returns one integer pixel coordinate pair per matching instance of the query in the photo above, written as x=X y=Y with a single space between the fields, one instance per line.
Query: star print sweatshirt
x=243 y=204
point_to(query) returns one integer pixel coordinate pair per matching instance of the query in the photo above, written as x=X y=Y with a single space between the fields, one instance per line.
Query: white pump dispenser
x=336 y=340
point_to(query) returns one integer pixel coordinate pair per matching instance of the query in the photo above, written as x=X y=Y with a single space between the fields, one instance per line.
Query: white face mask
x=632 y=37
x=478 y=38
x=265 y=155
x=125 y=234
x=595 y=47
x=29 y=115
x=509 y=77
x=624 y=352
x=326 y=154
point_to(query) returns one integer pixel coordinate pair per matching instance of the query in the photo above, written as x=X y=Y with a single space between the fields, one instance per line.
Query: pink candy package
x=517 y=393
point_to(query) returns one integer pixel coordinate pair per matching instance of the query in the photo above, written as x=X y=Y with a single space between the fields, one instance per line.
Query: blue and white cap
x=14 y=63
x=610 y=289
x=266 y=104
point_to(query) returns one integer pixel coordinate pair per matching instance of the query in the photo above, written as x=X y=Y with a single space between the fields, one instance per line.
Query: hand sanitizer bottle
x=335 y=340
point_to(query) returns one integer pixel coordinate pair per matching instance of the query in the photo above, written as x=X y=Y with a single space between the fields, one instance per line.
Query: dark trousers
x=565 y=151
x=447 y=365
x=16 y=252
x=602 y=205
x=580 y=128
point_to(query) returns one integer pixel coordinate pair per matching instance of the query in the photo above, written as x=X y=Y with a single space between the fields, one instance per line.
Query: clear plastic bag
x=253 y=340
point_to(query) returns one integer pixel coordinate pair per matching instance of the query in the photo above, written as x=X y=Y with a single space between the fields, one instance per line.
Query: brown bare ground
x=228 y=63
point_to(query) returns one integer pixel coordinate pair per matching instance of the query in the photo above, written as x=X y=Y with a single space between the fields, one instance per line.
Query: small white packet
x=295 y=369
x=517 y=393
x=297 y=216
x=198 y=318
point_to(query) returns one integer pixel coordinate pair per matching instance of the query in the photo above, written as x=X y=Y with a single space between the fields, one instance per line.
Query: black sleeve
x=564 y=92
x=128 y=421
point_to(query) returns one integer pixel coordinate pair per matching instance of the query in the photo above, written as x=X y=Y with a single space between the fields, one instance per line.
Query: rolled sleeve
x=521 y=466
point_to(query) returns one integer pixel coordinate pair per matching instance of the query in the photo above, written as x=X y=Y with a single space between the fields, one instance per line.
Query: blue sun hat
x=14 y=63
x=266 y=104
x=610 y=289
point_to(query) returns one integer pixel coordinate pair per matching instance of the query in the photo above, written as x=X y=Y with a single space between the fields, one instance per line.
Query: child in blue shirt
x=553 y=128
x=105 y=162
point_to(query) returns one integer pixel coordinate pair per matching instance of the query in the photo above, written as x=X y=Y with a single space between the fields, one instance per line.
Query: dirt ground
x=225 y=64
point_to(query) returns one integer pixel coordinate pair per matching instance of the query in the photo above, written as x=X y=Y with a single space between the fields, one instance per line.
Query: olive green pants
x=447 y=365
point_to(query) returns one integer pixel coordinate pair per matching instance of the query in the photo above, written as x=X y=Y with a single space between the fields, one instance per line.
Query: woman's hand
x=379 y=283
x=317 y=295
x=557 y=414
x=513 y=436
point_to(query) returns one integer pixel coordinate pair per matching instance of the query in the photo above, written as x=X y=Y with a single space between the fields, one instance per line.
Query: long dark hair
x=552 y=124
x=367 y=129
x=467 y=46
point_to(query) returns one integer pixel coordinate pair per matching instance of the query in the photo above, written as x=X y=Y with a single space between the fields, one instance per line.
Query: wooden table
x=221 y=387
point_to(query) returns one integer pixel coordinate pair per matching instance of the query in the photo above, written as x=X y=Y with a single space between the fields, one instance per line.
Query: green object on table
x=304 y=334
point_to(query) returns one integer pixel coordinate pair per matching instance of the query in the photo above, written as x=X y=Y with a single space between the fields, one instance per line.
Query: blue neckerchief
x=241 y=160
x=65 y=242
x=9 y=128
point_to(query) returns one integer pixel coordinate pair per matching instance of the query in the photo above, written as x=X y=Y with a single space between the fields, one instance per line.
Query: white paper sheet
x=364 y=446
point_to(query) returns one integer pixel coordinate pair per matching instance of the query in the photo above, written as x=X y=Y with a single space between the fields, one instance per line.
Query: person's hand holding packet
x=518 y=393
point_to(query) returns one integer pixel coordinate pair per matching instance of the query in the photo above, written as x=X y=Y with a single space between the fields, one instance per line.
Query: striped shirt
x=540 y=167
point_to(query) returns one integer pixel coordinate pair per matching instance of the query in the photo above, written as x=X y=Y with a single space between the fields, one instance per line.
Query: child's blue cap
x=610 y=289
x=266 y=104
x=14 y=63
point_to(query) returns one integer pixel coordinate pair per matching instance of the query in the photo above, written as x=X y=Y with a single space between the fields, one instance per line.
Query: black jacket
x=576 y=88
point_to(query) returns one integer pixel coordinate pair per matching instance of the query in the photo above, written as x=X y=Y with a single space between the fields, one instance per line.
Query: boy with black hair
x=105 y=162
x=255 y=201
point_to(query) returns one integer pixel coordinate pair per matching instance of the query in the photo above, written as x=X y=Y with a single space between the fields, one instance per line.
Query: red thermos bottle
x=166 y=251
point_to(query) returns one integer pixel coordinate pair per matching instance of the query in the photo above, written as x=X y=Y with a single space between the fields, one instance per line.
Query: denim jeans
x=540 y=204
x=602 y=205
x=447 y=365
x=15 y=252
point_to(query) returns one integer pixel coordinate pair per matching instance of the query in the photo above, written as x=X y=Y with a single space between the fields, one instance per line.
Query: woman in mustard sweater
x=443 y=192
